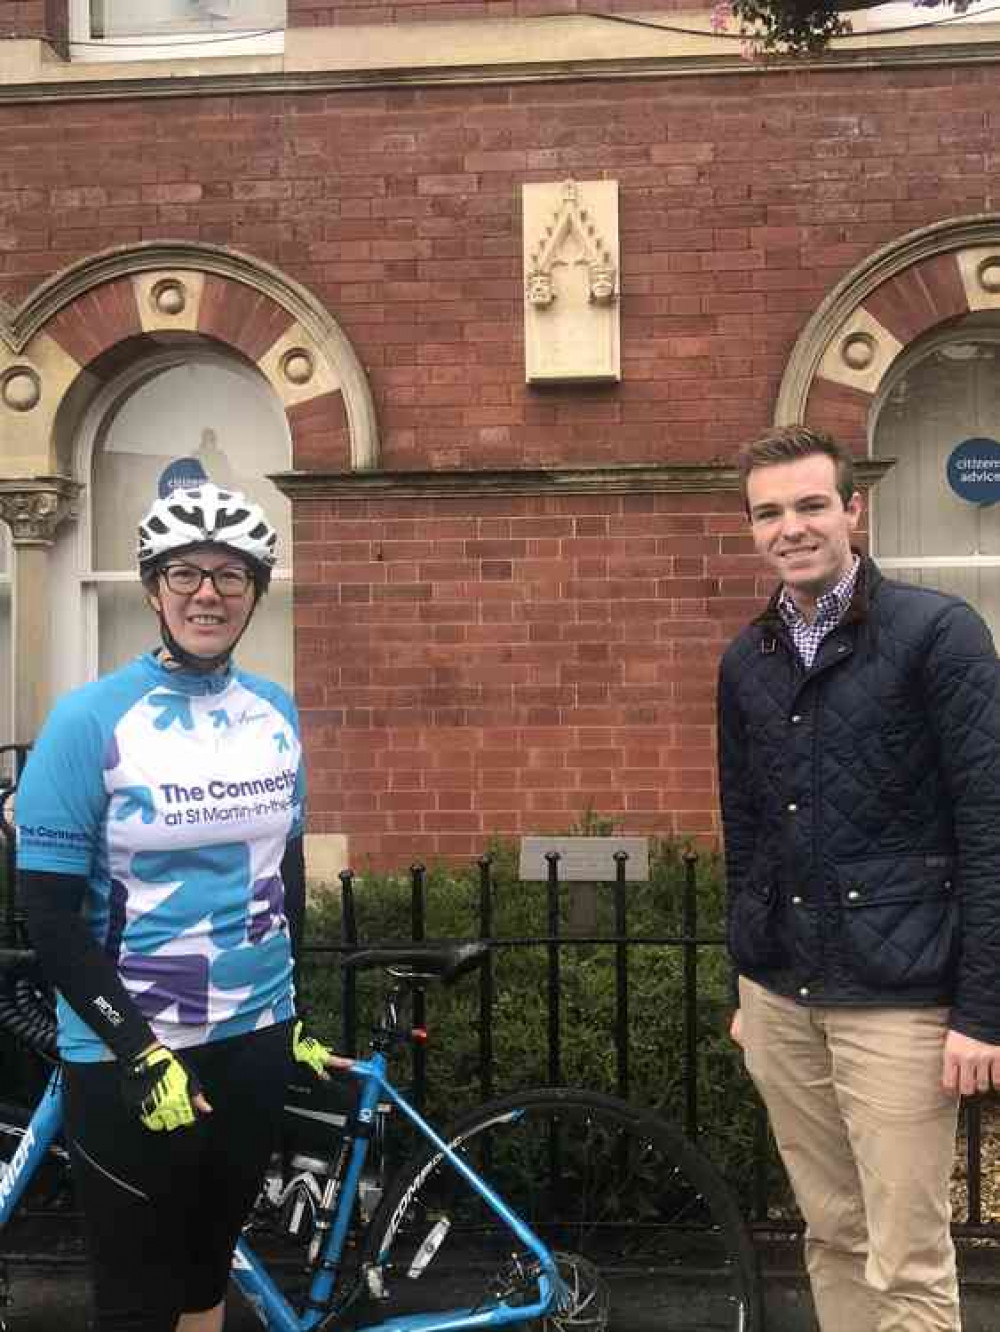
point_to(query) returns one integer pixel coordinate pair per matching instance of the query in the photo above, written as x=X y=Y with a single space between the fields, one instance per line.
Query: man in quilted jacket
x=859 y=759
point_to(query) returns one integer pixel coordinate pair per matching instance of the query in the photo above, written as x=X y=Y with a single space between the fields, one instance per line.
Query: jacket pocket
x=753 y=936
x=900 y=920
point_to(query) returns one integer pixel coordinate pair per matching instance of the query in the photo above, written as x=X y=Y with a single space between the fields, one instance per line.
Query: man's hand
x=736 y=1027
x=162 y=1092
x=313 y=1053
x=969 y=1066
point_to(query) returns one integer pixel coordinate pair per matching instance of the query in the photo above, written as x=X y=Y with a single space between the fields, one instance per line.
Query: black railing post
x=621 y=974
x=486 y=978
x=418 y=906
x=690 y=949
x=761 y=1152
x=8 y=831
x=555 y=1052
x=10 y=871
x=348 y=978
x=974 y=1161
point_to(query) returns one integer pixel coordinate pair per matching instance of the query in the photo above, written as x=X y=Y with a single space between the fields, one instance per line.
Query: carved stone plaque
x=571 y=281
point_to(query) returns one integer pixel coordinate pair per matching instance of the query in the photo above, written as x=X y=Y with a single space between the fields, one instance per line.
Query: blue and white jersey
x=174 y=795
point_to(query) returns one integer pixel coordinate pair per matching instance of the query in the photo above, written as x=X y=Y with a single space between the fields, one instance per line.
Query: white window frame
x=75 y=577
x=7 y=584
x=180 y=46
x=964 y=332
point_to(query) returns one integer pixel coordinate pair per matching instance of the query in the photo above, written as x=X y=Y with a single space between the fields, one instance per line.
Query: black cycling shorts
x=163 y=1211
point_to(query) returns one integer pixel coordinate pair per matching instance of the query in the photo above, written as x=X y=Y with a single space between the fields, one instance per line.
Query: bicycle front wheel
x=646 y=1233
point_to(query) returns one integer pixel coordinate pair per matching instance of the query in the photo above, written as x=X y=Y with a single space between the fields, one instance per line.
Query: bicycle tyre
x=615 y=1190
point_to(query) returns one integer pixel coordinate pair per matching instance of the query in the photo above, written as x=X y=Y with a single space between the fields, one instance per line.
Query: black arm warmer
x=293 y=876
x=74 y=962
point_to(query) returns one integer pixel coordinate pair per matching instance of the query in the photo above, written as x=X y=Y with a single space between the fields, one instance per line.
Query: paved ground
x=45 y=1299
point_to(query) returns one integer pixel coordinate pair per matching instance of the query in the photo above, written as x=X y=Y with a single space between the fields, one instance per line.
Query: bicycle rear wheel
x=647 y=1234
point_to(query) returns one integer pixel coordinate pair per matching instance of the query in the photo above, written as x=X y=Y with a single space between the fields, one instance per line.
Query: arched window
x=946 y=390
x=184 y=402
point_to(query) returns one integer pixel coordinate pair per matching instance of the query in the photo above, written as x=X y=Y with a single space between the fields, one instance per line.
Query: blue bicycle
x=554 y=1210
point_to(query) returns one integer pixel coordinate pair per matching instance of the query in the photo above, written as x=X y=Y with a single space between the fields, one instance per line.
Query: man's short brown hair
x=788 y=444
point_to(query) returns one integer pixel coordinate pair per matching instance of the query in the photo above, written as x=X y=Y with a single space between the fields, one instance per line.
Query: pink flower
x=722 y=12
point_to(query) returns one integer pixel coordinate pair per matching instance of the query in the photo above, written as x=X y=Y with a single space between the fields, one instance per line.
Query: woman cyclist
x=161 y=868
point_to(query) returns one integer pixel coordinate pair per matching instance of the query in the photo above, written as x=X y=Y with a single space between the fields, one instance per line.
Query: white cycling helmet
x=207 y=515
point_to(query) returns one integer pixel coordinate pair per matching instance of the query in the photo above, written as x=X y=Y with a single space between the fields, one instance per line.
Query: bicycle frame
x=250 y=1274
x=278 y=1316
x=39 y=1135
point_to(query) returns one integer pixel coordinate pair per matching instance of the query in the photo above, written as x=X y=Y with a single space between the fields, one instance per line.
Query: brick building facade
x=508 y=599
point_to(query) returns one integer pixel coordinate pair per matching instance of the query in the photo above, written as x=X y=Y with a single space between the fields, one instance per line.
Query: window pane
x=126 y=626
x=953 y=394
x=161 y=18
x=6 y=721
x=948 y=397
x=223 y=414
x=6 y=680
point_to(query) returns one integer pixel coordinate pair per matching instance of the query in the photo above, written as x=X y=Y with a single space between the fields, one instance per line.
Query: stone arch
x=193 y=289
x=843 y=355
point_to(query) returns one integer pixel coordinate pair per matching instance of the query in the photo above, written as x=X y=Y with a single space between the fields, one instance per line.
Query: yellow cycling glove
x=311 y=1052
x=161 y=1090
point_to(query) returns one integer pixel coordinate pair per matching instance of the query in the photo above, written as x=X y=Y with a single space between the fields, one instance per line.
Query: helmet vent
x=231 y=519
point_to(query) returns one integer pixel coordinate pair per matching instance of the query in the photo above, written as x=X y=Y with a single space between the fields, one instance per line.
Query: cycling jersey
x=174 y=794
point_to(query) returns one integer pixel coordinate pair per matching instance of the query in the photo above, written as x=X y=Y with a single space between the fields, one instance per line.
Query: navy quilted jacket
x=861 y=806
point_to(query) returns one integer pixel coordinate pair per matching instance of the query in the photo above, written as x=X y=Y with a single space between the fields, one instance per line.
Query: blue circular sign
x=974 y=470
x=181 y=474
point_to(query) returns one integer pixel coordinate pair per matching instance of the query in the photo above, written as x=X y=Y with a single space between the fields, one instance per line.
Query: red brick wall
x=48 y=19
x=499 y=665
x=744 y=200
x=22 y=18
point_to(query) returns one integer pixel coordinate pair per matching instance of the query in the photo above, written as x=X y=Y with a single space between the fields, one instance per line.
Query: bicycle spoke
x=646 y=1234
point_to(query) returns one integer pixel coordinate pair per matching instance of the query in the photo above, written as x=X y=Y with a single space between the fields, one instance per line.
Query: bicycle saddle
x=441 y=961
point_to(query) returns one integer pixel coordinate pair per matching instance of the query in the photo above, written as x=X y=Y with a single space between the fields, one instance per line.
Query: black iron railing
x=556 y=943
x=763 y=1193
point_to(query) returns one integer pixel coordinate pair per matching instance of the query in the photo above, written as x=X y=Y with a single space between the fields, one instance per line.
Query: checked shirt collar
x=830 y=610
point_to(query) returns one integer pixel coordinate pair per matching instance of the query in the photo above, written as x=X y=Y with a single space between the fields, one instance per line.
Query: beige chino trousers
x=867 y=1135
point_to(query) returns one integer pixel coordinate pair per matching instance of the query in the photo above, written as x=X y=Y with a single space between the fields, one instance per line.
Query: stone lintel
x=638 y=478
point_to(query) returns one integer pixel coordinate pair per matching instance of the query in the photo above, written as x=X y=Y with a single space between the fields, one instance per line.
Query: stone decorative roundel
x=988 y=273
x=858 y=351
x=169 y=296
x=297 y=366
x=20 y=388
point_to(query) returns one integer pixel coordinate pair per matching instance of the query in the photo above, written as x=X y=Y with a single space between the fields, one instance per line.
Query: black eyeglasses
x=186 y=579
